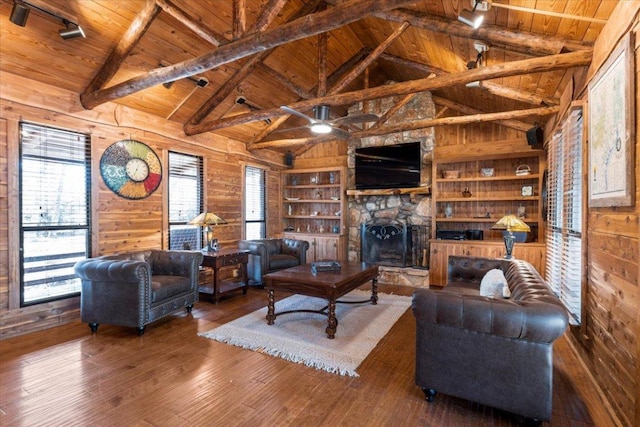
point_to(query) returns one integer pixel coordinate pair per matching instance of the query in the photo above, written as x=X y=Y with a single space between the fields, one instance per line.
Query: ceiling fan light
x=470 y=18
x=320 y=128
x=321 y=112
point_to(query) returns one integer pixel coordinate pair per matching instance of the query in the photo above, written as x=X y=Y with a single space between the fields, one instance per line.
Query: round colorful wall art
x=131 y=169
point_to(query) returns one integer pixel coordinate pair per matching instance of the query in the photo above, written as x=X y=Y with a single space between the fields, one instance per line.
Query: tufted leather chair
x=497 y=352
x=137 y=288
x=267 y=255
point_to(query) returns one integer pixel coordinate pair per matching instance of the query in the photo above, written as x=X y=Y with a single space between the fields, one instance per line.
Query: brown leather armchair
x=137 y=288
x=497 y=352
x=267 y=255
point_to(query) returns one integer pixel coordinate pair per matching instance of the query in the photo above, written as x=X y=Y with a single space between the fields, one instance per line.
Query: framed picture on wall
x=612 y=130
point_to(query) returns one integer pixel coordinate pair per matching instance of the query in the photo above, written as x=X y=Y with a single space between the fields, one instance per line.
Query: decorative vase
x=448 y=211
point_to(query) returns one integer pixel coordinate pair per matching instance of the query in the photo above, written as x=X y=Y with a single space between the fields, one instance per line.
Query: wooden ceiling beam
x=423 y=68
x=418 y=124
x=359 y=68
x=241 y=74
x=346 y=79
x=465 y=109
x=525 y=66
x=323 y=41
x=323 y=38
x=530 y=43
x=493 y=88
x=129 y=40
x=277 y=121
x=271 y=10
x=210 y=36
x=517 y=95
x=284 y=81
x=458 y=120
x=239 y=18
x=253 y=43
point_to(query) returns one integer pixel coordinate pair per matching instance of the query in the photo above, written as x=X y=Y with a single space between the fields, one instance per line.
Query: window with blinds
x=185 y=200
x=564 y=263
x=254 y=203
x=55 y=220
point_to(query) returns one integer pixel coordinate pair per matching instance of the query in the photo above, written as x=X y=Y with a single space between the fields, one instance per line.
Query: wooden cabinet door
x=323 y=247
x=437 y=264
x=440 y=250
x=326 y=248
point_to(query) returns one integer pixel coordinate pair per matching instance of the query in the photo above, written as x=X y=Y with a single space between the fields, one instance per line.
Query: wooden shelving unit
x=491 y=197
x=314 y=209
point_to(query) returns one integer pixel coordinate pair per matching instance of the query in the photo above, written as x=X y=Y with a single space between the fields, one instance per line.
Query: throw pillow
x=494 y=285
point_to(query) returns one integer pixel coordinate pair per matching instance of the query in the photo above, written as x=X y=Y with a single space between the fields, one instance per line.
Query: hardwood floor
x=171 y=377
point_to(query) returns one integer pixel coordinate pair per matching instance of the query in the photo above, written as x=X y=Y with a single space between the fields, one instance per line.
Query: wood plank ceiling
x=302 y=53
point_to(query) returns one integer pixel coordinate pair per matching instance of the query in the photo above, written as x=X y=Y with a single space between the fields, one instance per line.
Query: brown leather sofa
x=137 y=288
x=267 y=255
x=497 y=352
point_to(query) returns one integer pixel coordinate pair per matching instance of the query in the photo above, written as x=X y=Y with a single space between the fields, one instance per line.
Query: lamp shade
x=510 y=222
x=206 y=219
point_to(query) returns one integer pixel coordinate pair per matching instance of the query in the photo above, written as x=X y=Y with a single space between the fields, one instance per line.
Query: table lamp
x=208 y=219
x=510 y=223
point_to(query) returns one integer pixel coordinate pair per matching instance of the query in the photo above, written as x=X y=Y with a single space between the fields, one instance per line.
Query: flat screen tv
x=388 y=166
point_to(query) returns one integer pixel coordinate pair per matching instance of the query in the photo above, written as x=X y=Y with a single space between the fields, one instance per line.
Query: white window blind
x=55 y=220
x=254 y=202
x=185 y=200
x=564 y=263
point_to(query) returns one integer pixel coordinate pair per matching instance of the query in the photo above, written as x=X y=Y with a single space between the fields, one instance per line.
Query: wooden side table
x=228 y=257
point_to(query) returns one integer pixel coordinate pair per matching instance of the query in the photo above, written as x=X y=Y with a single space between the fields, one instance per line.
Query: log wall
x=118 y=224
x=612 y=304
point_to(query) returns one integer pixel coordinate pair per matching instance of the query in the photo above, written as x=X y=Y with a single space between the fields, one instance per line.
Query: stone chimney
x=402 y=209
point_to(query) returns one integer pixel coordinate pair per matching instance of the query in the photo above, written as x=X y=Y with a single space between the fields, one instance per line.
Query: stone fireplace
x=395 y=245
x=394 y=226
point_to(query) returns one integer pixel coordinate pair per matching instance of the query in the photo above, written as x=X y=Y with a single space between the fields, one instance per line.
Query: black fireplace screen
x=394 y=244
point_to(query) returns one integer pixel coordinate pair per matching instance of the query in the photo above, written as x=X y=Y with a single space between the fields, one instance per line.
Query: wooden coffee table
x=330 y=285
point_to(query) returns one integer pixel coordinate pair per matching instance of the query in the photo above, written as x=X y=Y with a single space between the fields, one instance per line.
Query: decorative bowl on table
x=451 y=174
x=291 y=199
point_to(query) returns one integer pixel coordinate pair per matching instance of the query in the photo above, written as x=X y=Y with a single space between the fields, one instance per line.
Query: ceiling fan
x=321 y=124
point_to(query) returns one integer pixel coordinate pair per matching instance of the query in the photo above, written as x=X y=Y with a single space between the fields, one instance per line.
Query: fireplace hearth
x=394 y=244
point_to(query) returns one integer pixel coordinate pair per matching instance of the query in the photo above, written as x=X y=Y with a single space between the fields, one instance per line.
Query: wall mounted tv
x=388 y=166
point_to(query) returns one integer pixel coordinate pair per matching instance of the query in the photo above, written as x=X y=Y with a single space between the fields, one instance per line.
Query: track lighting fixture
x=71 y=31
x=470 y=17
x=479 y=61
x=20 y=14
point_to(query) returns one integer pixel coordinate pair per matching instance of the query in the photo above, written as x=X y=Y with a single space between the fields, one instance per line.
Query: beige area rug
x=301 y=337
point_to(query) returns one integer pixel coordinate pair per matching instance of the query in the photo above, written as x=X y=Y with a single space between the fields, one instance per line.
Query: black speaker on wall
x=535 y=137
x=288 y=159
